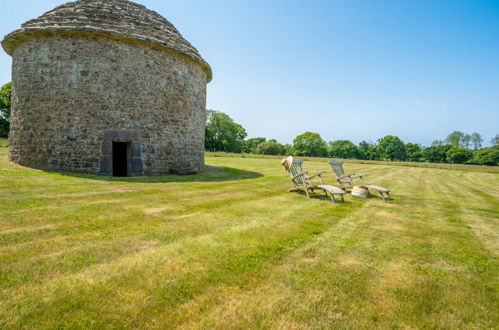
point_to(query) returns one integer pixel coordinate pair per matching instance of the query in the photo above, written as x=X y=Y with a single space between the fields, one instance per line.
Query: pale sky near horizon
x=354 y=70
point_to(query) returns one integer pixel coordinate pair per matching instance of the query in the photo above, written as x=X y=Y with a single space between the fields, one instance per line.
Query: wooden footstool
x=385 y=193
x=332 y=190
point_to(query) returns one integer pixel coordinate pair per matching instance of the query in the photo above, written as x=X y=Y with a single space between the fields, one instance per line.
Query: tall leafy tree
x=222 y=133
x=343 y=149
x=392 y=148
x=368 y=151
x=309 y=144
x=456 y=139
x=476 y=141
x=250 y=145
x=495 y=140
x=466 y=142
x=5 y=102
x=414 y=152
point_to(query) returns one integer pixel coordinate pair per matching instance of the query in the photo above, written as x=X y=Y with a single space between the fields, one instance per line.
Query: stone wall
x=73 y=93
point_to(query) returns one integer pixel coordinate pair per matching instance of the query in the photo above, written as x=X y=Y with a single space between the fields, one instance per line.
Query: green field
x=231 y=248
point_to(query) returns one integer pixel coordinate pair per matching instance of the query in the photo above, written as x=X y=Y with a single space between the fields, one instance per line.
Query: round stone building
x=106 y=87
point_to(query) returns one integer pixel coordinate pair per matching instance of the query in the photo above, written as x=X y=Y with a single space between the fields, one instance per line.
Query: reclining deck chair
x=346 y=180
x=302 y=182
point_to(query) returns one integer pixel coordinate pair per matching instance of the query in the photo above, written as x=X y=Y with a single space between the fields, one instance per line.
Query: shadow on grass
x=347 y=197
x=315 y=195
x=208 y=174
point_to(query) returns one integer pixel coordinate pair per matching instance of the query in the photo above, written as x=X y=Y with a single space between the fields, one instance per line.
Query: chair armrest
x=345 y=175
x=299 y=174
x=317 y=174
x=359 y=176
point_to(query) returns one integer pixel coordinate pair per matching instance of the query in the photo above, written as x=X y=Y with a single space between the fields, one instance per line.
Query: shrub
x=343 y=149
x=457 y=155
x=271 y=147
x=436 y=153
x=487 y=156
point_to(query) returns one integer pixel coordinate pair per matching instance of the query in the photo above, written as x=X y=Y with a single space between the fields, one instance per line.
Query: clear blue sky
x=352 y=69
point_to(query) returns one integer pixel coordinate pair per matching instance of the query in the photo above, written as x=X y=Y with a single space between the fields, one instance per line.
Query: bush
x=414 y=152
x=436 y=153
x=270 y=147
x=368 y=151
x=343 y=149
x=457 y=155
x=250 y=145
x=487 y=156
x=287 y=150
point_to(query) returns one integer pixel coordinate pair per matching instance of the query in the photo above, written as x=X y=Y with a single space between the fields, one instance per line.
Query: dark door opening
x=122 y=159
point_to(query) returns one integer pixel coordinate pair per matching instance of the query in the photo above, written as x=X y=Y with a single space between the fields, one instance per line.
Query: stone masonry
x=93 y=72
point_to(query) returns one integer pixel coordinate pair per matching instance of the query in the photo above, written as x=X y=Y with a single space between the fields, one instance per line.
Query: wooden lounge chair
x=302 y=182
x=346 y=180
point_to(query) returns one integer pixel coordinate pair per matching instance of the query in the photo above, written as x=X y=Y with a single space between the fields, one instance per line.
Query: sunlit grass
x=230 y=248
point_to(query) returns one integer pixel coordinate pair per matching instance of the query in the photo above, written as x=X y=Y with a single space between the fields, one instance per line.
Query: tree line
x=223 y=134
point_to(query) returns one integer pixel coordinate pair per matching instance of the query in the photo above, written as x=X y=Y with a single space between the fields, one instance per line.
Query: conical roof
x=121 y=19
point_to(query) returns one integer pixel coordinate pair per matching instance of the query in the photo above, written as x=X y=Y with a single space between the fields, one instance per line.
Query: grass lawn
x=230 y=248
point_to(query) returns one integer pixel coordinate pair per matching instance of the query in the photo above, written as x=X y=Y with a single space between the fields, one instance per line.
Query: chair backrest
x=295 y=169
x=337 y=168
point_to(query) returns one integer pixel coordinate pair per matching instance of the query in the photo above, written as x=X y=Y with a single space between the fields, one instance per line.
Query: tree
x=458 y=155
x=222 y=133
x=487 y=156
x=437 y=143
x=476 y=141
x=367 y=150
x=392 y=148
x=495 y=140
x=466 y=141
x=343 y=149
x=414 y=152
x=271 y=147
x=459 y=139
x=309 y=144
x=287 y=150
x=436 y=154
x=5 y=102
x=250 y=145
